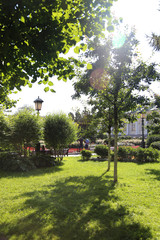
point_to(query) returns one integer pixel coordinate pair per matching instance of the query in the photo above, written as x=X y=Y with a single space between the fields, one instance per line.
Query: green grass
x=76 y=201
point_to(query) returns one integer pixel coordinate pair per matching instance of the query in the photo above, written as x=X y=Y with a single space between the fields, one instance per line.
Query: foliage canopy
x=33 y=34
x=59 y=131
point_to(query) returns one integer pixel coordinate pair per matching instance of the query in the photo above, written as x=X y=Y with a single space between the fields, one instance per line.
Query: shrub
x=140 y=155
x=126 y=154
x=86 y=155
x=152 y=155
x=13 y=162
x=146 y=155
x=124 y=137
x=156 y=145
x=101 y=150
x=42 y=160
x=153 y=138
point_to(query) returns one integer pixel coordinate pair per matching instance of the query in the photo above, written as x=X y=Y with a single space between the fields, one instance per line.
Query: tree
x=105 y=116
x=59 y=132
x=4 y=131
x=117 y=73
x=25 y=130
x=35 y=34
x=155 y=42
x=153 y=123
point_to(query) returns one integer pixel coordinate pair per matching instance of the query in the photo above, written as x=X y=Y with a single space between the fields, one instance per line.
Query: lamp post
x=143 y=142
x=38 y=104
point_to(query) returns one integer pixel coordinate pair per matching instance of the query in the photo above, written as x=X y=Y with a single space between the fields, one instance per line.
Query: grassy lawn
x=76 y=201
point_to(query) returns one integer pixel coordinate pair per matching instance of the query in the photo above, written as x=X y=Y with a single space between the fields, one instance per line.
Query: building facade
x=135 y=129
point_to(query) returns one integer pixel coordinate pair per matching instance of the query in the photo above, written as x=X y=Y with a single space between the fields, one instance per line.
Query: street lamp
x=143 y=142
x=38 y=104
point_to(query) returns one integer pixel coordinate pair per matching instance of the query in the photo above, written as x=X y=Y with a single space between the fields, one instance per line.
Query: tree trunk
x=109 y=149
x=115 y=144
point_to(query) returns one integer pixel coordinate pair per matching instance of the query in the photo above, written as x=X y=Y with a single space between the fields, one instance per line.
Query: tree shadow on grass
x=154 y=172
x=75 y=209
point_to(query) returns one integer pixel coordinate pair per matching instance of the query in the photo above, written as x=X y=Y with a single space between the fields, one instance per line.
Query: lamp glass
x=38 y=106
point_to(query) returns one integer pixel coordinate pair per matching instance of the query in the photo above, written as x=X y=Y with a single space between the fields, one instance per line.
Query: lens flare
x=99 y=79
x=118 y=40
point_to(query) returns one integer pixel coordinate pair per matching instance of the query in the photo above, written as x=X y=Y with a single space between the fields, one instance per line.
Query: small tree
x=25 y=130
x=4 y=131
x=59 y=131
x=116 y=73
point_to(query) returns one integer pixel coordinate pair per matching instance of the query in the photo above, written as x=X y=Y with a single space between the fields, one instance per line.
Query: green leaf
x=26 y=42
x=52 y=90
x=50 y=83
x=89 y=66
x=22 y=19
x=46 y=89
x=76 y=49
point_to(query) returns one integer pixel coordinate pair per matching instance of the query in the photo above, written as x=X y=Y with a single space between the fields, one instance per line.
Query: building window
x=133 y=127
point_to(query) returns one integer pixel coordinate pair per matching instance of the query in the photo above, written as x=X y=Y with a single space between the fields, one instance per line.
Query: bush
x=153 y=138
x=156 y=145
x=126 y=154
x=13 y=162
x=146 y=155
x=124 y=137
x=43 y=161
x=86 y=155
x=140 y=155
x=101 y=150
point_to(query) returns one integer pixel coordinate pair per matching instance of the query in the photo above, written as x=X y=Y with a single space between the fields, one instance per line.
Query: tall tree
x=117 y=73
x=34 y=34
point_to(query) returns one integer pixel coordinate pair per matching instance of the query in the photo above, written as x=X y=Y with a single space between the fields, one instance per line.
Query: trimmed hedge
x=126 y=154
x=86 y=155
x=153 y=138
x=156 y=145
x=101 y=150
x=13 y=162
x=43 y=161
x=140 y=155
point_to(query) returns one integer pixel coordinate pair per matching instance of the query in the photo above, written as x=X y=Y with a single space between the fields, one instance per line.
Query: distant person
x=86 y=143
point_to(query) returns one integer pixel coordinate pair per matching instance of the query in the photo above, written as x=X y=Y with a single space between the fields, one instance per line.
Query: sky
x=142 y=14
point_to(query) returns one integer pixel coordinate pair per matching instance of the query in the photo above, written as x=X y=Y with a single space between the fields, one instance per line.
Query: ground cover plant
x=77 y=200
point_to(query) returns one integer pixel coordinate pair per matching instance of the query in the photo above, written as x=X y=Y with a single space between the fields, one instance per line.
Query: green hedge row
x=13 y=162
x=156 y=145
x=129 y=154
x=140 y=155
x=153 y=138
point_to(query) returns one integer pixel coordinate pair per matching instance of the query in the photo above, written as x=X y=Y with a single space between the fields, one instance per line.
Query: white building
x=135 y=129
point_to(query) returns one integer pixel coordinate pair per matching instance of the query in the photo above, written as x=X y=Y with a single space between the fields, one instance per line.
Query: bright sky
x=143 y=14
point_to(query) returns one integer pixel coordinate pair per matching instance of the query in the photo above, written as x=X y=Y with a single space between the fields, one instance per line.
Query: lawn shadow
x=75 y=209
x=154 y=172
